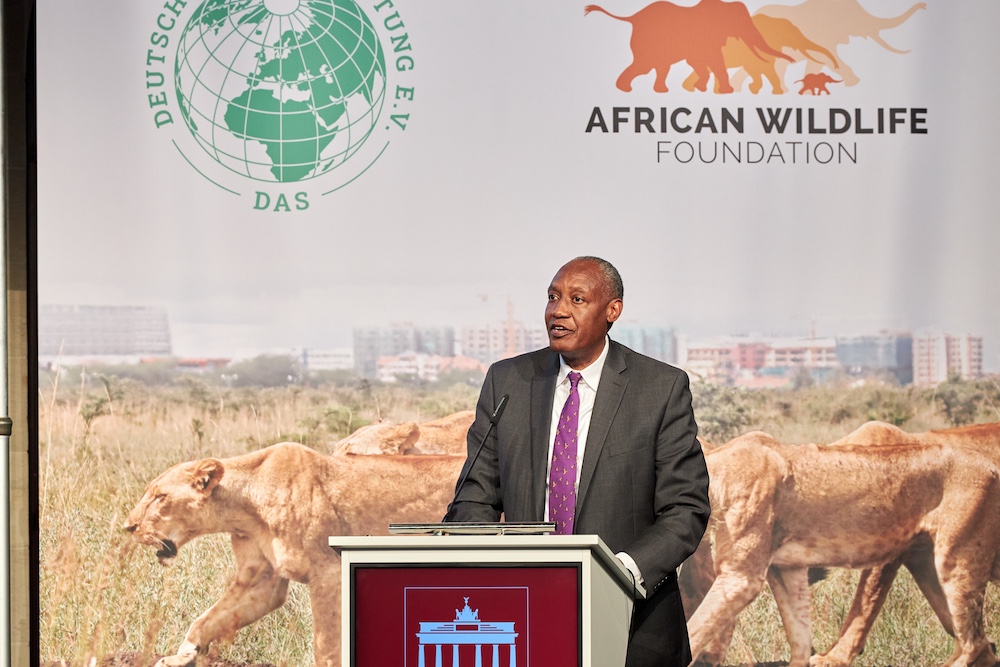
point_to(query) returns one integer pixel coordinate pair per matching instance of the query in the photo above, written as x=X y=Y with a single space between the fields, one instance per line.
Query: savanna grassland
x=104 y=434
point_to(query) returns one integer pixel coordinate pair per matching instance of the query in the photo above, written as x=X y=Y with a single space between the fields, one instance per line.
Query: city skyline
x=147 y=330
x=218 y=336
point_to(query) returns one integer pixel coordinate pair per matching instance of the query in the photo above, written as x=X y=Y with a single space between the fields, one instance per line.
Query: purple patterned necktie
x=562 y=475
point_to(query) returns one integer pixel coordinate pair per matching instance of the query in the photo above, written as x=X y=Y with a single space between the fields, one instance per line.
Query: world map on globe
x=280 y=90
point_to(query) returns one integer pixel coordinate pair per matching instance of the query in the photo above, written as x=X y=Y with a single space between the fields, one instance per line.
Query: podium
x=483 y=601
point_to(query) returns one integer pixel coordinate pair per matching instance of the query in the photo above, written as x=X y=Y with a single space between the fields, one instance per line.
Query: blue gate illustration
x=466 y=629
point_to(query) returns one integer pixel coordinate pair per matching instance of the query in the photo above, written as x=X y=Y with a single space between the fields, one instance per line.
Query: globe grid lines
x=359 y=174
x=312 y=121
x=225 y=6
x=281 y=100
x=312 y=91
x=349 y=59
x=345 y=93
x=270 y=5
x=363 y=77
x=247 y=39
x=210 y=121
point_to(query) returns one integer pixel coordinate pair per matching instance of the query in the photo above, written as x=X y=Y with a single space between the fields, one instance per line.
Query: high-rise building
x=501 y=340
x=938 y=356
x=110 y=334
x=885 y=351
x=655 y=342
x=373 y=342
x=435 y=340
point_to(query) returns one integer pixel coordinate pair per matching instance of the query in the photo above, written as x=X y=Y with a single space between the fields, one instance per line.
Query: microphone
x=494 y=418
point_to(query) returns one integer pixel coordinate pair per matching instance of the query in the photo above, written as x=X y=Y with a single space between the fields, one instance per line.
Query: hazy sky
x=494 y=184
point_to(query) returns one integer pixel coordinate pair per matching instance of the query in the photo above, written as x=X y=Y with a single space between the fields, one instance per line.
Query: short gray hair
x=612 y=279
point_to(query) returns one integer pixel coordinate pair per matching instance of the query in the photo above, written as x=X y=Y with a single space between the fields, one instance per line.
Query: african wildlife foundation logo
x=279 y=102
x=715 y=38
x=721 y=48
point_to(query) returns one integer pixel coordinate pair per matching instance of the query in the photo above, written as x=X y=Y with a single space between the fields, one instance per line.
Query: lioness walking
x=874 y=584
x=281 y=504
x=781 y=509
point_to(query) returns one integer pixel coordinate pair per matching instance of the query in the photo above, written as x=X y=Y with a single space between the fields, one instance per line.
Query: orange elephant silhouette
x=816 y=83
x=664 y=33
x=783 y=36
x=833 y=23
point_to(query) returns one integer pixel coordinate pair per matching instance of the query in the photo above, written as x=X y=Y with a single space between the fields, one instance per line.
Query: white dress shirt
x=587 y=388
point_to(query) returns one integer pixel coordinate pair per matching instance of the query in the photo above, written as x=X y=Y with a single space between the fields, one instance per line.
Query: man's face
x=578 y=312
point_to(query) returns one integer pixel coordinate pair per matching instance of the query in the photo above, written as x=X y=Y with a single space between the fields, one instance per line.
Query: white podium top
x=592 y=543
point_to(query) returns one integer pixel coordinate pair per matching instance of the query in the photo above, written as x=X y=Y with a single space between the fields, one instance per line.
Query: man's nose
x=557 y=309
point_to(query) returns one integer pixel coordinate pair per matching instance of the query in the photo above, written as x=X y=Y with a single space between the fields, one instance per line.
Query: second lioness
x=781 y=509
x=874 y=584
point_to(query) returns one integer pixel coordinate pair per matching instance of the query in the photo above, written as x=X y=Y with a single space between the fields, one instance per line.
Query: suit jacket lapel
x=543 y=386
x=614 y=379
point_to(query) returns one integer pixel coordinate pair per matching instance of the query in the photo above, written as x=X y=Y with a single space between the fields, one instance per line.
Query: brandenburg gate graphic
x=466 y=629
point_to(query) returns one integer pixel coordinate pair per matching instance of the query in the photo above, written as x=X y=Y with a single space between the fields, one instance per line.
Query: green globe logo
x=280 y=90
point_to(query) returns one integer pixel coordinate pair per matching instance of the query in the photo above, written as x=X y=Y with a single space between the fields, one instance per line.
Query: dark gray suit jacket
x=643 y=485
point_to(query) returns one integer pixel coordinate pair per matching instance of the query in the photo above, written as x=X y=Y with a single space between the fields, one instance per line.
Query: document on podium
x=473 y=528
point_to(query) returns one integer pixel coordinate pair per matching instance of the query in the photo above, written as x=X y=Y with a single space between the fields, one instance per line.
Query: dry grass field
x=104 y=599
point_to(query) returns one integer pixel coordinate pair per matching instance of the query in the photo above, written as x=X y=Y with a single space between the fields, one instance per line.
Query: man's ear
x=614 y=310
x=207 y=474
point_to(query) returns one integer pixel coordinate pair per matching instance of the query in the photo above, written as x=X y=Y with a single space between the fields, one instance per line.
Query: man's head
x=585 y=298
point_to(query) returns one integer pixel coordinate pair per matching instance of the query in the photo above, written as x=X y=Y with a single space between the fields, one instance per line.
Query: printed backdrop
x=499 y=145
x=276 y=173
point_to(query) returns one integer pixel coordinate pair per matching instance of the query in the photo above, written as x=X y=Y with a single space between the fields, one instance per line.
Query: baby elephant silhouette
x=816 y=83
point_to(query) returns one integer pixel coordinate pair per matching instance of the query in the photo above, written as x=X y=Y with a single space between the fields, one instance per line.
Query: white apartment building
x=724 y=359
x=105 y=334
x=408 y=365
x=500 y=340
x=427 y=367
x=333 y=359
x=938 y=356
x=802 y=352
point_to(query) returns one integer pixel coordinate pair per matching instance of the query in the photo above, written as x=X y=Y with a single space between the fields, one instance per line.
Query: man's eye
x=577 y=299
x=552 y=297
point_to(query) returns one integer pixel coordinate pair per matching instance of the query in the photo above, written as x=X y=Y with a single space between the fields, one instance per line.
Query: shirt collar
x=591 y=374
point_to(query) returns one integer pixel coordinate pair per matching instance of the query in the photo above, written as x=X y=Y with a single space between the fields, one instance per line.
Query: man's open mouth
x=557 y=330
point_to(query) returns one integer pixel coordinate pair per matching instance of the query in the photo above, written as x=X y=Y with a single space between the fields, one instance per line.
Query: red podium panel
x=483 y=601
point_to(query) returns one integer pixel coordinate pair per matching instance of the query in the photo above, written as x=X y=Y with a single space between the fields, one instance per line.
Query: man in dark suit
x=625 y=424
